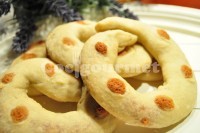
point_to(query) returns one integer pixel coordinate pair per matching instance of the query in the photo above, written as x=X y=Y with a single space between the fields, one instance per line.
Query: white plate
x=183 y=25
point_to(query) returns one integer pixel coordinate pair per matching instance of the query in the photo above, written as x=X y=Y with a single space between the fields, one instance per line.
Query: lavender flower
x=24 y=35
x=4 y=7
x=117 y=9
x=27 y=12
x=61 y=9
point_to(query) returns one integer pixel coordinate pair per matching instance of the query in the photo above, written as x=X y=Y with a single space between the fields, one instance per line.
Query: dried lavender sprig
x=24 y=35
x=115 y=3
x=117 y=9
x=26 y=12
x=79 y=5
x=4 y=7
x=37 y=9
x=68 y=12
x=62 y=10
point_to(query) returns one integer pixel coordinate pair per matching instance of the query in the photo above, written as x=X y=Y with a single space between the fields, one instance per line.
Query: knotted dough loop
x=170 y=103
x=21 y=114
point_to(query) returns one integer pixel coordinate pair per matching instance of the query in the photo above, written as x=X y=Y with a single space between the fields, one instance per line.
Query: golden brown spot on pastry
x=101 y=48
x=144 y=121
x=116 y=86
x=28 y=56
x=19 y=114
x=80 y=22
x=49 y=68
x=8 y=78
x=38 y=43
x=101 y=112
x=164 y=102
x=163 y=34
x=68 y=41
x=187 y=71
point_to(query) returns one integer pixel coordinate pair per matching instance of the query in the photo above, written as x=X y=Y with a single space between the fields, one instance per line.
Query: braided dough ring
x=44 y=75
x=21 y=114
x=64 y=47
x=156 y=109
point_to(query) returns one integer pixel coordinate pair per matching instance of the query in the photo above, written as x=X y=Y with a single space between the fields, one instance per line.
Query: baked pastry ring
x=163 y=107
x=43 y=74
x=21 y=114
x=35 y=50
x=65 y=42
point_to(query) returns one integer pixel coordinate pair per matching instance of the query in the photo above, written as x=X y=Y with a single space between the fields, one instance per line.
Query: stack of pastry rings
x=65 y=46
x=33 y=74
x=126 y=48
